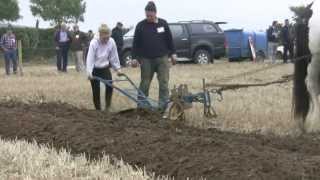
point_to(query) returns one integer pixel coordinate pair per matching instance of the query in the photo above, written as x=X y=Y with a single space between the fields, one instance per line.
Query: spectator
x=287 y=40
x=90 y=36
x=79 y=41
x=63 y=40
x=293 y=39
x=102 y=54
x=58 y=52
x=152 y=47
x=117 y=35
x=9 y=46
x=272 y=36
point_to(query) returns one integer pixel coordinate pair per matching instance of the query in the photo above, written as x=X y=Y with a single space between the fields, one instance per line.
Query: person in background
x=117 y=35
x=293 y=40
x=9 y=46
x=101 y=56
x=79 y=41
x=58 y=52
x=272 y=36
x=63 y=40
x=90 y=36
x=152 y=48
x=287 y=41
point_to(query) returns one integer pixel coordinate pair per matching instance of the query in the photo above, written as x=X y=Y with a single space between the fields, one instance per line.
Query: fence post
x=20 y=57
x=252 y=49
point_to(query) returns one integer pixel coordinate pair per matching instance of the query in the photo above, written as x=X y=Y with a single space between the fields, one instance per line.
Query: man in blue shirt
x=8 y=44
x=63 y=40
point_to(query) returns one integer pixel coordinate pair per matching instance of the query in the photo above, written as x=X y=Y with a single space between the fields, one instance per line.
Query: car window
x=203 y=28
x=176 y=30
x=218 y=28
x=130 y=33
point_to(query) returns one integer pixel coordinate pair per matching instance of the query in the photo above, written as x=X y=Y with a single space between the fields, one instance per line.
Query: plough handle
x=123 y=92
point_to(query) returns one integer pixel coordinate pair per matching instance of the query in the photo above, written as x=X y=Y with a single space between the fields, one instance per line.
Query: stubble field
x=253 y=137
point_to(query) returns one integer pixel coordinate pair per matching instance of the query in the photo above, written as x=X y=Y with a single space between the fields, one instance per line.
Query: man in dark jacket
x=79 y=41
x=272 y=35
x=117 y=35
x=152 y=48
x=287 y=40
x=63 y=40
x=90 y=36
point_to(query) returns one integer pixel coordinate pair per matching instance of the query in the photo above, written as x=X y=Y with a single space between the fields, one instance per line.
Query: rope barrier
x=225 y=87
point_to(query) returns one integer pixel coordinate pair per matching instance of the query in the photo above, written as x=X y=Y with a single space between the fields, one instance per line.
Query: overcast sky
x=248 y=14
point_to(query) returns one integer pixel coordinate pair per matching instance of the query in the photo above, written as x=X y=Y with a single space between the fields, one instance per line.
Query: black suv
x=199 y=41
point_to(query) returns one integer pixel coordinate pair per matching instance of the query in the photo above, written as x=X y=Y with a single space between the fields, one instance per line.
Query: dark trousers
x=62 y=58
x=122 y=61
x=95 y=85
x=10 y=57
x=85 y=56
x=287 y=47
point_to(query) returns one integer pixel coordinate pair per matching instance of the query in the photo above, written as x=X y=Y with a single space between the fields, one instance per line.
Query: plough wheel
x=176 y=112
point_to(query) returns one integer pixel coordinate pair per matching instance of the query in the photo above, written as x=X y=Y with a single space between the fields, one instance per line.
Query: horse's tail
x=301 y=97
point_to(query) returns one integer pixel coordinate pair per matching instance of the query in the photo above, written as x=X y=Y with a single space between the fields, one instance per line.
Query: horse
x=306 y=85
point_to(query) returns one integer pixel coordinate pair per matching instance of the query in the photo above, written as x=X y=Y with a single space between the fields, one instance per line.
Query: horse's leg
x=312 y=123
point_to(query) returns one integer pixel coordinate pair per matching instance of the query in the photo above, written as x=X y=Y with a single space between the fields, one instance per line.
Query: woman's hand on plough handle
x=119 y=72
x=89 y=75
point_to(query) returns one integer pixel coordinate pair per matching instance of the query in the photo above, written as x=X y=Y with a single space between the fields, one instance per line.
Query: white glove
x=89 y=74
x=119 y=73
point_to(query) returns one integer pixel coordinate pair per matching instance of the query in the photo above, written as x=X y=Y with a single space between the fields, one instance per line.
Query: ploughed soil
x=145 y=140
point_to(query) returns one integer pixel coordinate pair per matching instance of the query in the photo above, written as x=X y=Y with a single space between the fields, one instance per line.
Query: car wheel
x=202 y=57
x=127 y=58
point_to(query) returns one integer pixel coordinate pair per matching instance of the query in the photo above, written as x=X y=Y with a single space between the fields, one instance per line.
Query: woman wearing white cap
x=101 y=56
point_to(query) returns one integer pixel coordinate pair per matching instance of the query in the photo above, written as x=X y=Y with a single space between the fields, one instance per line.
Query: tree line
x=53 y=11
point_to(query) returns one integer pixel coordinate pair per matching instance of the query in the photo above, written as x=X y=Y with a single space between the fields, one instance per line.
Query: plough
x=180 y=98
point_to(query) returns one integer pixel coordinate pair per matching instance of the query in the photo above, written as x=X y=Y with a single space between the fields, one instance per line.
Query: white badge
x=160 y=30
